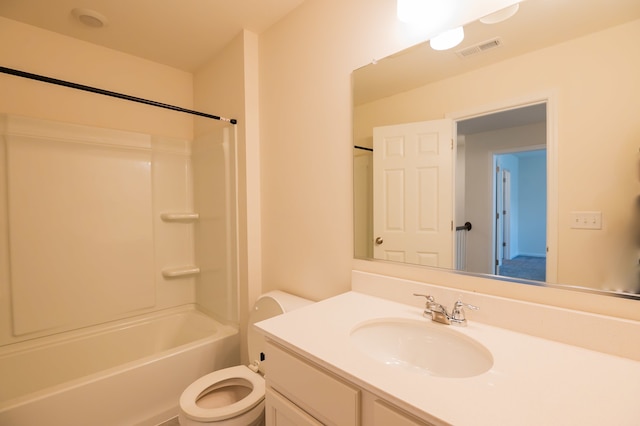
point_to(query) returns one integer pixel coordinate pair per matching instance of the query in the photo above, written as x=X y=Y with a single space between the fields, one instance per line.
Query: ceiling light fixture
x=447 y=39
x=428 y=14
x=501 y=15
x=410 y=11
x=90 y=18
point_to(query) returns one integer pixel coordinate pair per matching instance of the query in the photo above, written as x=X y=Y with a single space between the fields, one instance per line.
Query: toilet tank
x=267 y=306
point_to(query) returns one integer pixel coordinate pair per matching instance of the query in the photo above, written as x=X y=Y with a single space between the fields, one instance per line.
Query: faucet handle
x=428 y=304
x=458 y=316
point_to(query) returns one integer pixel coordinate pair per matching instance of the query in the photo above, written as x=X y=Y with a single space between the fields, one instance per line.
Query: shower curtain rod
x=51 y=80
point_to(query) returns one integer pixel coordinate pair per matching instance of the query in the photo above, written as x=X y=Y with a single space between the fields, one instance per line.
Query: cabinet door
x=385 y=415
x=279 y=411
x=323 y=395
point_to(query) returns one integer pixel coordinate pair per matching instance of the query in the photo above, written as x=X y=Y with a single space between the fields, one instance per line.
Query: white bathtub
x=128 y=373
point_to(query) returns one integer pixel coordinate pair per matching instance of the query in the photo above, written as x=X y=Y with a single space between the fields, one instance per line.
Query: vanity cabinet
x=300 y=393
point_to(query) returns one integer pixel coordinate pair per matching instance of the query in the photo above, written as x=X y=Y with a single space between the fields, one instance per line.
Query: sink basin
x=422 y=346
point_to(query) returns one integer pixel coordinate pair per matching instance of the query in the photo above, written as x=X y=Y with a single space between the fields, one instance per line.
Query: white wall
x=532 y=205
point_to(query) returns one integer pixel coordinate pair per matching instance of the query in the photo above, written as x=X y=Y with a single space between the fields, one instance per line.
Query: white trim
x=504 y=105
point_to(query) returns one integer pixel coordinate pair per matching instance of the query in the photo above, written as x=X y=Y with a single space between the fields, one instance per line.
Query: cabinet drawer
x=279 y=411
x=318 y=392
x=385 y=415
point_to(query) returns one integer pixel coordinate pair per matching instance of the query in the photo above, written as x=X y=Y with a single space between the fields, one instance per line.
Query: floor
x=525 y=267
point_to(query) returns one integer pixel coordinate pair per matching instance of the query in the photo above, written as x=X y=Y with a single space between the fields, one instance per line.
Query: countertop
x=533 y=381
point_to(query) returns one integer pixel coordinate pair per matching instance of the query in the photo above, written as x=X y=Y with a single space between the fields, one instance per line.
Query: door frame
x=495 y=244
x=505 y=249
x=550 y=99
x=499 y=184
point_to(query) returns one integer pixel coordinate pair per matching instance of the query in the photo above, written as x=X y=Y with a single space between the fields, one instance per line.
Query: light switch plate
x=586 y=220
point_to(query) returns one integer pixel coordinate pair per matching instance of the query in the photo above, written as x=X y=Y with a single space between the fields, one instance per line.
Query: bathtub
x=128 y=373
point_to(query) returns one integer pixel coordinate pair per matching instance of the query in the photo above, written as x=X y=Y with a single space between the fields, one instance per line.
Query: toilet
x=234 y=396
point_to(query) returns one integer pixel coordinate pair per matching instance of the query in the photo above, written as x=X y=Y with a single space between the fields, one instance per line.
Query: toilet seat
x=240 y=373
x=223 y=390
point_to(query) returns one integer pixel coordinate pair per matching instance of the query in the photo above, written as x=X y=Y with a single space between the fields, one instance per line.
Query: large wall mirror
x=514 y=154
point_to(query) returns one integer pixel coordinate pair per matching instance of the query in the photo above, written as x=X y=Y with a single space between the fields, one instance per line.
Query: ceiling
x=503 y=119
x=538 y=23
x=183 y=34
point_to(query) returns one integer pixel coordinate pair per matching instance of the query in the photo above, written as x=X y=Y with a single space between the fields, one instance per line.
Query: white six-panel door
x=413 y=190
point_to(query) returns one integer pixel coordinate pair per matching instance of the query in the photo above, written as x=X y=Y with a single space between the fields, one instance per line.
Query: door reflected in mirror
x=541 y=131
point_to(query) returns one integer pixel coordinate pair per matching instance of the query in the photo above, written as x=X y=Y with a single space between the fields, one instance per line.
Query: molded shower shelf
x=179 y=217
x=183 y=271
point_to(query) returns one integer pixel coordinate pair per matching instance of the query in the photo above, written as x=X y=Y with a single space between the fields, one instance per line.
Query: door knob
x=379 y=241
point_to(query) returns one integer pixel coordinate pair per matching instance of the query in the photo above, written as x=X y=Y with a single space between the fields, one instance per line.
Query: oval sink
x=423 y=347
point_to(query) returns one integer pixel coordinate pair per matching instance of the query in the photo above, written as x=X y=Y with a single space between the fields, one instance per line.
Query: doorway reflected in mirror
x=501 y=188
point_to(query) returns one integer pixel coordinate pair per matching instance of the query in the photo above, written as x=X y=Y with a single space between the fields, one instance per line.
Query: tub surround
x=533 y=380
x=90 y=199
x=113 y=216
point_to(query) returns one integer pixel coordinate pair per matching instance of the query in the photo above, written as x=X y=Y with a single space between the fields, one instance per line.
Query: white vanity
x=321 y=370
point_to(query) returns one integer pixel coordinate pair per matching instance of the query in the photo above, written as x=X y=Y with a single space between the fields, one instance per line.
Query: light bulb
x=447 y=39
x=425 y=13
x=501 y=15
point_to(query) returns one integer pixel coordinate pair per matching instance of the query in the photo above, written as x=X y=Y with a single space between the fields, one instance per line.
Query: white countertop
x=533 y=381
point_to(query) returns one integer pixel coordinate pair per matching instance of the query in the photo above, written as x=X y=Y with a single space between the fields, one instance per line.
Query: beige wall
x=305 y=135
x=43 y=52
x=305 y=132
x=306 y=155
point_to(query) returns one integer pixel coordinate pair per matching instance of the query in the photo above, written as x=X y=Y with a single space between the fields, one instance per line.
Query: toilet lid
x=190 y=395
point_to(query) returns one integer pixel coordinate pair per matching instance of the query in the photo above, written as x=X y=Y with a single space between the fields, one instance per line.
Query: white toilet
x=234 y=396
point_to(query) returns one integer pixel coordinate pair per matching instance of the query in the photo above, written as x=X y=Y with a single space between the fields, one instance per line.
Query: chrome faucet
x=438 y=312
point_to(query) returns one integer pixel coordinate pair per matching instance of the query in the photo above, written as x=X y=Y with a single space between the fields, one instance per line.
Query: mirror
x=549 y=98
